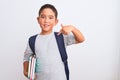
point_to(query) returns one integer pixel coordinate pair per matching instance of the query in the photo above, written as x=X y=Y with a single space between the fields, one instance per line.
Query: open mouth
x=46 y=25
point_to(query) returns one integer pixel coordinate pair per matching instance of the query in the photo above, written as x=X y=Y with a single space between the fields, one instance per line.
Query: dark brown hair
x=49 y=6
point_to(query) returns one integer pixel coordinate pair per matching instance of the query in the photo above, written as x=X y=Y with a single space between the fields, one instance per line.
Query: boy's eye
x=51 y=17
x=42 y=16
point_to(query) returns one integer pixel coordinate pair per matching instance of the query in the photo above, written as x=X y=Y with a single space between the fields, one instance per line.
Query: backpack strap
x=63 y=53
x=32 y=43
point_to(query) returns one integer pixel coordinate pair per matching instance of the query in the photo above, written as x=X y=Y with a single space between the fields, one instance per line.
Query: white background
x=95 y=59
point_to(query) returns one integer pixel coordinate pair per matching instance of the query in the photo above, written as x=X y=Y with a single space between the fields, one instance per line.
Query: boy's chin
x=46 y=31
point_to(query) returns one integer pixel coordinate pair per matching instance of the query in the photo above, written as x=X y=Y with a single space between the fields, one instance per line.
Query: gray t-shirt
x=50 y=65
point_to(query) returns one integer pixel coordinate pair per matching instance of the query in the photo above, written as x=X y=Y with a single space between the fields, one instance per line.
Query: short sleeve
x=28 y=52
x=69 y=39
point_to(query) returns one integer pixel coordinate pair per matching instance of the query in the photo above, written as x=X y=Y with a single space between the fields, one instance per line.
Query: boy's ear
x=38 y=19
x=56 y=21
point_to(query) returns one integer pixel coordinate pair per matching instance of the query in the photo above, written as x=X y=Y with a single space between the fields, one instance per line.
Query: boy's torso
x=49 y=58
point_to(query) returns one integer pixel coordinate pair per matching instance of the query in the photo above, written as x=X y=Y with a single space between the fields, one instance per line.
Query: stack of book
x=31 y=68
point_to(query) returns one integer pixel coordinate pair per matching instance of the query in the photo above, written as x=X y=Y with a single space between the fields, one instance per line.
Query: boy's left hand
x=66 y=29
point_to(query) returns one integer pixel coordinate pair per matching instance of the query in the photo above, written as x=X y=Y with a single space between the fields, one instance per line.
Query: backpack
x=61 y=47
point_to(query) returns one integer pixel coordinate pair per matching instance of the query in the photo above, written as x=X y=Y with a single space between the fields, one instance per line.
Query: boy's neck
x=45 y=33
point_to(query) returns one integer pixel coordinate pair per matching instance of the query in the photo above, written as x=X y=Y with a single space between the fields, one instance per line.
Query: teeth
x=46 y=25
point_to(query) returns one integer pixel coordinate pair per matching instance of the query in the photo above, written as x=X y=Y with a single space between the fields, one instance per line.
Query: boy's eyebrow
x=48 y=15
x=51 y=15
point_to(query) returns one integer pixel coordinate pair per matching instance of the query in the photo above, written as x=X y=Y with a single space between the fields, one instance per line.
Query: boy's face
x=47 y=20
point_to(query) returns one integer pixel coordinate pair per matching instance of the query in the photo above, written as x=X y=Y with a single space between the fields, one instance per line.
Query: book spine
x=29 y=67
x=32 y=73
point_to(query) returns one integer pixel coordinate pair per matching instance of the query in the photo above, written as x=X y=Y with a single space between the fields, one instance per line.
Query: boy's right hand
x=35 y=77
x=26 y=74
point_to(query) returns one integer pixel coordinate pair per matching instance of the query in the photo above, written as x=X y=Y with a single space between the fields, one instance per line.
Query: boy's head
x=50 y=7
x=47 y=18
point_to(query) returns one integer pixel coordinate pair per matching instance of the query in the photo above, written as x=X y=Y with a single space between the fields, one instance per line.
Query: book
x=31 y=67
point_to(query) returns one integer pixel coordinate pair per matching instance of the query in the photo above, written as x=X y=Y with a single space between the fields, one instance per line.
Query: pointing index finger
x=61 y=25
x=59 y=32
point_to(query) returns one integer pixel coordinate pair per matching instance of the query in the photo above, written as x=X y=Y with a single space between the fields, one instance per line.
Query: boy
x=50 y=66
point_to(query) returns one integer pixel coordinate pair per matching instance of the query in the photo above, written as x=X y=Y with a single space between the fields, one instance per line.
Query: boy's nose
x=46 y=19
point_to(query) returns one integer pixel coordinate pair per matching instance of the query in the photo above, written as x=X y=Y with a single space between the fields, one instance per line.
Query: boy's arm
x=25 y=66
x=77 y=34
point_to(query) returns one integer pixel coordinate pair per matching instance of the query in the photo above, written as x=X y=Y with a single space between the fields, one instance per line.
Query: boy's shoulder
x=33 y=36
